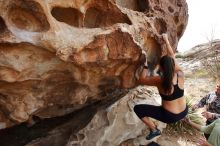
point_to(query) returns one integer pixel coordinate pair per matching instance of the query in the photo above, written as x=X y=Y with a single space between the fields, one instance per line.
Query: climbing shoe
x=153 y=134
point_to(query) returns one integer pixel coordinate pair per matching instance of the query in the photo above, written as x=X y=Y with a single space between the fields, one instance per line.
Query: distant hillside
x=204 y=57
x=202 y=51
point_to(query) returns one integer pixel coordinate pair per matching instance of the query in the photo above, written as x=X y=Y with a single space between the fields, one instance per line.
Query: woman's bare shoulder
x=180 y=73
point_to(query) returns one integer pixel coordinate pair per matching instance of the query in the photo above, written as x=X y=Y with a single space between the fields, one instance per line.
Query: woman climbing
x=170 y=84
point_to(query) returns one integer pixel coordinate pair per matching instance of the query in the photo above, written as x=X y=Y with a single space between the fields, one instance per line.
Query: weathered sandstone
x=59 y=56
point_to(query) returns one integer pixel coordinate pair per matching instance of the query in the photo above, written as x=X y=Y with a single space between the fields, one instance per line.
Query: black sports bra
x=177 y=93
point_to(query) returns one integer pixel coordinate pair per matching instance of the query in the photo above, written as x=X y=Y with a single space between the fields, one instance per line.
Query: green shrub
x=179 y=55
x=200 y=73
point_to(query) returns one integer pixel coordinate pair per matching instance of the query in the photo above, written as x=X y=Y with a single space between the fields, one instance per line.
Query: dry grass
x=198 y=73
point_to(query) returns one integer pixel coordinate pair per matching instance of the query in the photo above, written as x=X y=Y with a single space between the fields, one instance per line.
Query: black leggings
x=158 y=113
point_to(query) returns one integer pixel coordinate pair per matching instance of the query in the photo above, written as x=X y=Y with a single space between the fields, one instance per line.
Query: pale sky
x=203 y=23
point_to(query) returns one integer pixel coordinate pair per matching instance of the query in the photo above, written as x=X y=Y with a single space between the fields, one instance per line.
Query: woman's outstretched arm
x=194 y=125
x=169 y=48
x=145 y=79
x=170 y=51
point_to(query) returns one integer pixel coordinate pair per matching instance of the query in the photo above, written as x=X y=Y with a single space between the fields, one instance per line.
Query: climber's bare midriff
x=175 y=106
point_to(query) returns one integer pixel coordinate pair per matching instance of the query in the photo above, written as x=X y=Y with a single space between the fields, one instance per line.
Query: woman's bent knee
x=138 y=111
x=136 y=108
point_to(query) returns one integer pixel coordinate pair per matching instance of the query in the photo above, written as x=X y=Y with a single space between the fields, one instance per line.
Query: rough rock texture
x=59 y=56
x=118 y=123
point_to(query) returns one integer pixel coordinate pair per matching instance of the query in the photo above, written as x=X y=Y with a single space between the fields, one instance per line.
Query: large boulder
x=58 y=56
x=118 y=124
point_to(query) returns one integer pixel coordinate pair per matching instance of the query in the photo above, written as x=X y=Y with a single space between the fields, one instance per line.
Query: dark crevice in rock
x=70 y=16
x=179 y=3
x=2 y=25
x=176 y=19
x=59 y=128
x=143 y=5
x=180 y=29
x=21 y=135
x=96 y=17
x=136 y=5
x=160 y=25
x=171 y=10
